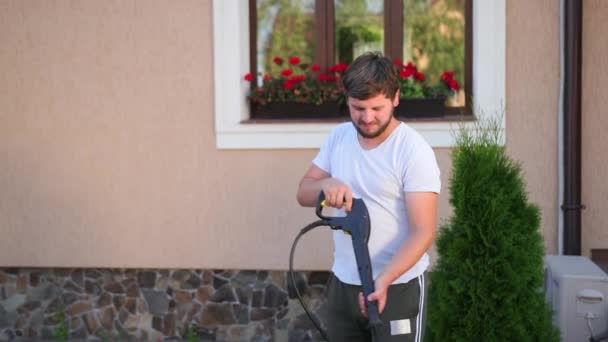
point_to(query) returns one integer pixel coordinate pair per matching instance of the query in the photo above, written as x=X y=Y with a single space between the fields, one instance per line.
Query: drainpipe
x=571 y=205
x=560 y=135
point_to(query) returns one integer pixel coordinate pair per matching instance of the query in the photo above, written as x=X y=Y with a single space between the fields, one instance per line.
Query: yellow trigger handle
x=323 y=205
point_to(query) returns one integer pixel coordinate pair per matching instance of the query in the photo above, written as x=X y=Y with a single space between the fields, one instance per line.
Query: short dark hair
x=369 y=75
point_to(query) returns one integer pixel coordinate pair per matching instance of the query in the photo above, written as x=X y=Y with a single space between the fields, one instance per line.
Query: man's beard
x=377 y=133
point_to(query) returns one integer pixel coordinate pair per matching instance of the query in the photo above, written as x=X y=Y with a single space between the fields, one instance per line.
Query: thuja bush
x=487 y=284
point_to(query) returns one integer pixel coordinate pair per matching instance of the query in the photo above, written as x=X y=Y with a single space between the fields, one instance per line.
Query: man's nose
x=366 y=116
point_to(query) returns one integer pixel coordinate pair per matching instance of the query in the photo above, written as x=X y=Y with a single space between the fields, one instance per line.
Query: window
x=435 y=35
x=231 y=58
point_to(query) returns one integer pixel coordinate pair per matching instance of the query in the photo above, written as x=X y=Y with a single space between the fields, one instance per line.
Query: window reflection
x=285 y=28
x=433 y=38
x=359 y=27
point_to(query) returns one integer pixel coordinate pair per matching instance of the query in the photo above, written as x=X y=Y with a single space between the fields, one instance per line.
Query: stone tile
x=157 y=301
x=223 y=294
x=106 y=318
x=78 y=308
x=115 y=288
x=169 y=325
x=22 y=283
x=203 y=294
x=147 y=279
x=217 y=314
x=182 y=297
x=104 y=300
x=274 y=297
x=90 y=322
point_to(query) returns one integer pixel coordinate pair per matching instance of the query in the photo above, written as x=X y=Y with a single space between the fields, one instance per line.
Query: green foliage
x=192 y=333
x=347 y=36
x=434 y=35
x=61 y=332
x=411 y=88
x=487 y=283
x=284 y=29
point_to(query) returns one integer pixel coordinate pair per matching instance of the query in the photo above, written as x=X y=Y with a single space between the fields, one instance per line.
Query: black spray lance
x=356 y=223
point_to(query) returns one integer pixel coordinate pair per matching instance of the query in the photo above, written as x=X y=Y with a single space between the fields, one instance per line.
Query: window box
x=420 y=107
x=296 y=110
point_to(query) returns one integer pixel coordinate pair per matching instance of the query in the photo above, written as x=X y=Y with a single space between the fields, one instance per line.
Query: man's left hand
x=378 y=295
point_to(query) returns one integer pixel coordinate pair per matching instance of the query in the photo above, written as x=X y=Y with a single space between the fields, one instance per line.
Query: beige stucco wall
x=108 y=152
x=532 y=102
x=594 y=125
x=107 y=147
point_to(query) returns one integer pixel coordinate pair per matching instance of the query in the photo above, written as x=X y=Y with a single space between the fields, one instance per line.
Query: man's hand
x=378 y=295
x=337 y=194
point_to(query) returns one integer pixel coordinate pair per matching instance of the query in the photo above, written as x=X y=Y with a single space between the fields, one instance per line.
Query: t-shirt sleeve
x=322 y=158
x=422 y=172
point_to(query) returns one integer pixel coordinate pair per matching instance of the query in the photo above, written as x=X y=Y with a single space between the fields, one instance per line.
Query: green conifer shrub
x=487 y=284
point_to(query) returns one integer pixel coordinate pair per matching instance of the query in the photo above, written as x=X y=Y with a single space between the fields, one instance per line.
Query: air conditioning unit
x=577 y=290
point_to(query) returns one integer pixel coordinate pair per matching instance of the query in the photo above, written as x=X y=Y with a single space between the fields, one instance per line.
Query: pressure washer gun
x=356 y=223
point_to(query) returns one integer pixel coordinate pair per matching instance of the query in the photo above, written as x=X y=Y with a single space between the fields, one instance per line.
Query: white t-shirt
x=402 y=163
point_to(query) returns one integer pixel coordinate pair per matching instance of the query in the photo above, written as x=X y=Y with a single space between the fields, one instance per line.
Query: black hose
x=293 y=279
x=295 y=286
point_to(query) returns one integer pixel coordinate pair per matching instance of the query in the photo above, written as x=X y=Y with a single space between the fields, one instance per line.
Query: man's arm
x=316 y=180
x=422 y=212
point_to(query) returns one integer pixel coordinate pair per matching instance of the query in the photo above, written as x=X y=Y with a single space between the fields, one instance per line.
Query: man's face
x=371 y=117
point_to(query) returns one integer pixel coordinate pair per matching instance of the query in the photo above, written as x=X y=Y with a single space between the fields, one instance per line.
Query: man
x=391 y=167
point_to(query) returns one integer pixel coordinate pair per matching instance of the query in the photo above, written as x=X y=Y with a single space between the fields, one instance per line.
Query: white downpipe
x=560 y=135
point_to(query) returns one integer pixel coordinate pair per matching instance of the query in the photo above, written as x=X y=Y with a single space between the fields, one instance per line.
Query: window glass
x=359 y=27
x=285 y=28
x=434 y=39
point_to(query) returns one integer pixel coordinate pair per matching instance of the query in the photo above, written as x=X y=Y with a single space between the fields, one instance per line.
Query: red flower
x=288 y=84
x=341 y=67
x=297 y=78
x=294 y=60
x=398 y=62
x=447 y=76
x=453 y=84
x=405 y=73
x=411 y=67
x=419 y=76
x=249 y=77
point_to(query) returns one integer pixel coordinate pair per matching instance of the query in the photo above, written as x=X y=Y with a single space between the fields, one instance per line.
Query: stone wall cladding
x=153 y=305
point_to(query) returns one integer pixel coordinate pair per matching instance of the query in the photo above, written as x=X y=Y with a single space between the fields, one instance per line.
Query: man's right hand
x=337 y=194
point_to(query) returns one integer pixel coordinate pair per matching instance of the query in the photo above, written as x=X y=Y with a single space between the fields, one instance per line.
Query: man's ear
x=396 y=99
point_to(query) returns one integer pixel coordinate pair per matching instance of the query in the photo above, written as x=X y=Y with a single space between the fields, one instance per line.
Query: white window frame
x=231 y=63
